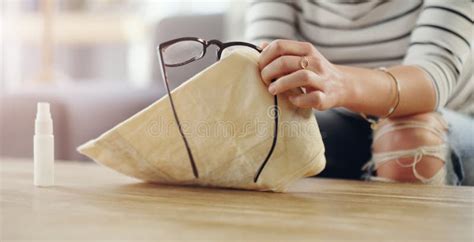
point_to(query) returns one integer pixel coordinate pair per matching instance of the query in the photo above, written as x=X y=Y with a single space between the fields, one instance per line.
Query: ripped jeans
x=348 y=139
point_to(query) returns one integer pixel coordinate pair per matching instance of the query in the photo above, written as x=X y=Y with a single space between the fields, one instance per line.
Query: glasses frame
x=220 y=48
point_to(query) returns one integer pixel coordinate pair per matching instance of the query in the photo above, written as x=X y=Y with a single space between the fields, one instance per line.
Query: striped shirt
x=435 y=35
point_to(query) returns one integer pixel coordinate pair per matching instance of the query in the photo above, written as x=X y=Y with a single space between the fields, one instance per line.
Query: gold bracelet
x=397 y=85
x=373 y=122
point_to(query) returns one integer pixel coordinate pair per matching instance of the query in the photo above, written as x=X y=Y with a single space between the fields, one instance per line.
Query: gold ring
x=304 y=62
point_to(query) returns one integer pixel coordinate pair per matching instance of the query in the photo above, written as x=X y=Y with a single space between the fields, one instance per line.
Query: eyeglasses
x=182 y=51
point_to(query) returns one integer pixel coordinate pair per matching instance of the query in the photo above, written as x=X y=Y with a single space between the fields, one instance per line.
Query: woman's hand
x=325 y=84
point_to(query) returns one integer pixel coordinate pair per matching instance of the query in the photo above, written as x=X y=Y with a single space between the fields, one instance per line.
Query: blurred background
x=94 y=61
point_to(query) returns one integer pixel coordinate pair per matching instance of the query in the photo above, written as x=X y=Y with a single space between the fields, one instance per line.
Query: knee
x=413 y=133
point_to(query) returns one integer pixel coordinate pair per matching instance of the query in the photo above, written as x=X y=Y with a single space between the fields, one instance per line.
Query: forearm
x=374 y=92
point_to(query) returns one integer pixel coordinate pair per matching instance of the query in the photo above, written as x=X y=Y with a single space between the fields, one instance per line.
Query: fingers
x=264 y=44
x=315 y=99
x=281 y=47
x=280 y=67
x=280 y=60
x=300 y=78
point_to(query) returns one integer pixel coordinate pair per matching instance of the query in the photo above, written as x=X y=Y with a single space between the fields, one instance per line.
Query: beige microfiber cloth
x=225 y=112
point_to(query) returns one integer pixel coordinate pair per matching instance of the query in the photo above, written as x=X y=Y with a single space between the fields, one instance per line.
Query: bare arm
x=328 y=86
x=374 y=90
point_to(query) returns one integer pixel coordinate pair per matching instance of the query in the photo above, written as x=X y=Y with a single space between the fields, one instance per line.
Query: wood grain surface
x=91 y=203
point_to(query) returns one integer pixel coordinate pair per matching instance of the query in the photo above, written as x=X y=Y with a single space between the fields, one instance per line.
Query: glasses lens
x=182 y=52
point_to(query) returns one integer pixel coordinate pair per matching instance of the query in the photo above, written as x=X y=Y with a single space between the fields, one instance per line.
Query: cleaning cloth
x=226 y=114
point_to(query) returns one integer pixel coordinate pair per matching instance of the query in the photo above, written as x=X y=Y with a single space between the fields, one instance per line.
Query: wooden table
x=90 y=202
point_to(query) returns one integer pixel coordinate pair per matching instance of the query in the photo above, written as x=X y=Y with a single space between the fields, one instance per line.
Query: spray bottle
x=43 y=151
